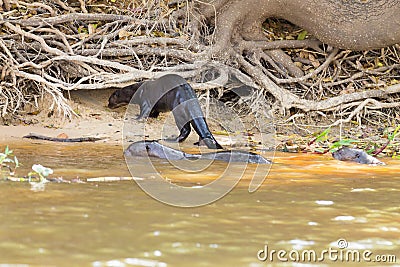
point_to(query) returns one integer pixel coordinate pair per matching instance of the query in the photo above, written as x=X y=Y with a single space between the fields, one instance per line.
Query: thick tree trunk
x=355 y=25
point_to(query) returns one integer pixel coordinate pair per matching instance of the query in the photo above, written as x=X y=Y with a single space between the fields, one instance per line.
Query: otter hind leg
x=145 y=111
x=184 y=133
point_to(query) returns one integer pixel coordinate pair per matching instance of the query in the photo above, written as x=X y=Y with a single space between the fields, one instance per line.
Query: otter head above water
x=153 y=148
x=356 y=155
x=122 y=97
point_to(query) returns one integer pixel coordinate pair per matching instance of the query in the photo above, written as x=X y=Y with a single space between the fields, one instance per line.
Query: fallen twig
x=56 y=139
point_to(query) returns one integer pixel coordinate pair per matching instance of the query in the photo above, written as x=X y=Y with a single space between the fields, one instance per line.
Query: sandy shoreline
x=110 y=132
x=95 y=119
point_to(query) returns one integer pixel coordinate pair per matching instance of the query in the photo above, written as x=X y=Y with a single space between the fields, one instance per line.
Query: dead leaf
x=62 y=135
x=350 y=89
x=123 y=34
x=35 y=112
x=314 y=61
x=92 y=28
x=158 y=34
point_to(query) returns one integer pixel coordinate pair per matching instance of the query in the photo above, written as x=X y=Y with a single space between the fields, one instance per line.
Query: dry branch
x=68 y=18
x=59 y=46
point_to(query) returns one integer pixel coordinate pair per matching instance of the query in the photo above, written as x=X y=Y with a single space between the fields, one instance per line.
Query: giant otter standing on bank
x=167 y=93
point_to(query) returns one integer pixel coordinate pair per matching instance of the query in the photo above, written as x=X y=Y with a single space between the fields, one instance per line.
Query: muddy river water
x=310 y=211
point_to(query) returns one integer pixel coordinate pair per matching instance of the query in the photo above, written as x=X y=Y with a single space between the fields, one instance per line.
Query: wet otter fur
x=153 y=148
x=356 y=155
x=168 y=93
x=122 y=96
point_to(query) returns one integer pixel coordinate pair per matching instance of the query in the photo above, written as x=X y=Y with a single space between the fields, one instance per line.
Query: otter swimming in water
x=170 y=92
x=153 y=148
x=356 y=155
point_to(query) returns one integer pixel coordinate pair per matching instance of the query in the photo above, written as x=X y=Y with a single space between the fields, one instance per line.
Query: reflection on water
x=308 y=202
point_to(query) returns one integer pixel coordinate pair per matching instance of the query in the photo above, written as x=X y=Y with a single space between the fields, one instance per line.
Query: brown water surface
x=307 y=202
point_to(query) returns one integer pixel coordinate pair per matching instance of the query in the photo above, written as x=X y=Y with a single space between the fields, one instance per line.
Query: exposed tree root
x=53 y=47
